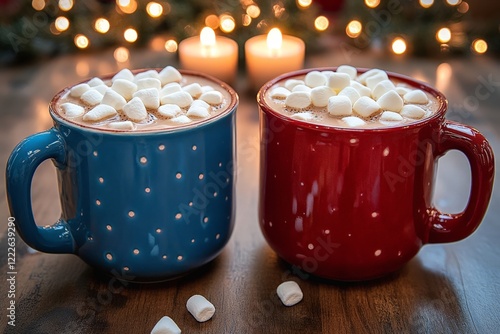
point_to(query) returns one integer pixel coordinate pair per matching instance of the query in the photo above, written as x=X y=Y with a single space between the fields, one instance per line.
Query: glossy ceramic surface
x=356 y=204
x=141 y=206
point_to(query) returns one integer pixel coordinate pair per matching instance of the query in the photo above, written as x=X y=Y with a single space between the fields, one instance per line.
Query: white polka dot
x=386 y=152
x=136 y=251
x=131 y=214
x=179 y=258
x=95 y=153
x=158 y=230
x=205 y=220
x=109 y=256
x=378 y=252
x=354 y=140
x=220 y=164
x=164 y=257
x=148 y=190
x=327 y=232
x=375 y=214
x=310 y=246
x=178 y=175
x=194 y=147
x=215 y=194
x=201 y=176
x=217 y=236
x=98 y=202
x=178 y=216
x=101 y=180
x=143 y=160
x=126 y=268
x=161 y=147
x=190 y=203
x=192 y=241
x=109 y=227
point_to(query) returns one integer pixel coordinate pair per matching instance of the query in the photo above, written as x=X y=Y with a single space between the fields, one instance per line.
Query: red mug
x=356 y=204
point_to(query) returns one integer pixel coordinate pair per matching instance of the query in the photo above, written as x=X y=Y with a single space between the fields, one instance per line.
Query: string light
x=453 y=2
x=354 y=28
x=65 y=5
x=130 y=35
x=399 y=46
x=121 y=54
x=127 y=6
x=479 y=46
x=154 y=9
x=372 y=3
x=246 y=20
x=227 y=23
x=253 y=11
x=38 y=4
x=171 y=45
x=212 y=21
x=62 y=23
x=321 y=23
x=463 y=7
x=443 y=35
x=101 y=25
x=304 y=3
x=426 y=3
x=81 y=41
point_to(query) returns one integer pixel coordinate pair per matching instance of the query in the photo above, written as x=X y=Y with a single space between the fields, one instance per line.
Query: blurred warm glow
x=123 y=3
x=304 y=3
x=253 y=11
x=81 y=41
x=443 y=76
x=479 y=46
x=171 y=45
x=154 y=9
x=321 y=23
x=62 y=23
x=246 y=20
x=443 y=35
x=227 y=23
x=207 y=37
x=127 y=6
x=372 y=3
x=399 y=46
x=354 y=29
x=101 y=25
x=426 y=3
x=82 y=68
x=130 y=35
x=453 y=2
x=121 y=54
x=274 y=39
x=157 y=43
x=38 y=4
x=463 y=8
x=65 y=5
x=212 y=21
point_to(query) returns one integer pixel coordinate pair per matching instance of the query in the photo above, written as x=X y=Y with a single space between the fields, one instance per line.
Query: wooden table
x=451 y=288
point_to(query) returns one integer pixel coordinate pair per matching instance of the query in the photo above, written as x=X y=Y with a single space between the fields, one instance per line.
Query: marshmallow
x=170 y=88
x=212 y=97
x=362 y=77
x=411 y=111
x=200 y=103
x=304 y=116
x=182 y=99
x=166 y=326
x=339 y=106
x=100 y=112
x=391 y=101
x=151 y=74
x=169 y=110
x=402 y=90
x=353 y=121
x=338 y=81
x=327 y=74
x=315 y=79
x=148 y=83
x=181 y=119
x=351 y=93
x=362 y=89
x=290 y=83
x=72 y=110
x=135 y=110
x=416 y=96
x=381 y=88
x=200 y=308
x=124 y=74
x=301 y=88
x=91 y=97
x=149 y=97
x=78 y=90
x=390 y=116
x=280 y=93
x=289 y=293
x=320 y=96
x=197 y=111
x=169 y=74
x=349 y=70
x=101 y=88
x=206 y=88
x=373 y=80
x=95 y=82
x=366 y=106
x=122 y=125
x=298 y=100
x=124 y=87
x=193 y=89
x=112 y=98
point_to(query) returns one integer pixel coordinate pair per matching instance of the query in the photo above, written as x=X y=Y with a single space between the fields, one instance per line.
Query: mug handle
x=21 y=166
x=445 y=227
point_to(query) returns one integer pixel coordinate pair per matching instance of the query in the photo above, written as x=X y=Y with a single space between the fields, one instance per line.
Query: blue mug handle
x=21 y=166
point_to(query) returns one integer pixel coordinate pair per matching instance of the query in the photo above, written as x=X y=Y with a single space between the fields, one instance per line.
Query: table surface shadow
x=446 y=288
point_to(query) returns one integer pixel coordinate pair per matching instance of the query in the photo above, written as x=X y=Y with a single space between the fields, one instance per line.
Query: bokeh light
x=121 y=54
x=253 y=11
x=38 y=4
x=127 y=6
x=426 y=3
x=399 y=46
x=304 y=3
x=443 y=35
x=65 y=5
x=321 y=23
x=354 y=28
x=130 y=35
x=227 y=23
x=372 y=3
x=81 y=41
x=212 y=21
x=479 y=46
x=171 y=45
x=154 y=9
x=453 y=2
x=62 y=23
x=102 y=25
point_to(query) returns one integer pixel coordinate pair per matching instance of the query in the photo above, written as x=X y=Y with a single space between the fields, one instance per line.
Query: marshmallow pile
x=351 y=97
x=133 y=96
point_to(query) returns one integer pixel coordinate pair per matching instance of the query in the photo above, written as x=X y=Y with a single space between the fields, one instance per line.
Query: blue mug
x=142 y=206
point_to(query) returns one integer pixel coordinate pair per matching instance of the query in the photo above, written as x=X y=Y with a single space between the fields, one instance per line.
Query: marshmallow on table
x=169 y=110
x=391 y=101
x=149 y=97
x=181 y=119
x=351 y=93
x=366 y=107
x=290 y=83
x=289 y=293
x=169 y=74
x=147 y=74
x=91 y=97
x=362 y=77
x=212 y=97
x=122 y=125
x=112 y=98
x=320 y=95
x=148 y=83
x=170 y=88
x=198 y=111
x=381 y=88
x=206 y=88
x=373 y=80
x=135 y=110
x=166 y=326
x=280 y=93
x=72 y=110
x=338 y=81
x=304 y=116
x=298 y=100
x=95 y=82
x=101 y=88
x=402 y=90
x=193 y=89
x=124 y=87
x=315 y=79
x=353 y=121
x=416 y=96
x=411 y=111
x=124 y=74
x=349 y=70
x=362 y=89
x=301 y=88
x=200 y=308
x=339 y=106
x=78 y=90
x=99 y=113
x=391 y=116
x=182 y=99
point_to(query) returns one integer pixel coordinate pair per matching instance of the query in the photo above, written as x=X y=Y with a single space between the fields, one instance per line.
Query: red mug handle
x=445 y=227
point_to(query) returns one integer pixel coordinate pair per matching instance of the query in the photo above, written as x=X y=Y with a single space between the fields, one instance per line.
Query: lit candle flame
x=274 y=40
x=207 y=41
